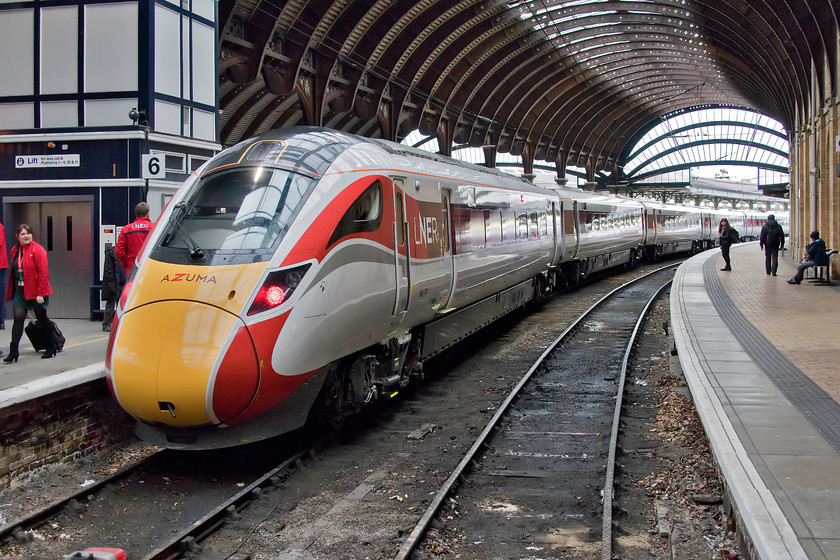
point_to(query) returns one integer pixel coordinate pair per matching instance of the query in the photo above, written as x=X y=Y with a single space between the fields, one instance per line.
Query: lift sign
x=59 y=160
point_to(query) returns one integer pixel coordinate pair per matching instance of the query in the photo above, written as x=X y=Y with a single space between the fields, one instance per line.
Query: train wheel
x=334 y=410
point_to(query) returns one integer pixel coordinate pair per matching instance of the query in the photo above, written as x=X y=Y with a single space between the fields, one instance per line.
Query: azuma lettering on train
x=185 y=277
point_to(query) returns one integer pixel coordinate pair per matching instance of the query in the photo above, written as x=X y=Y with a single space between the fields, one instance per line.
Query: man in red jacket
x=133 y=236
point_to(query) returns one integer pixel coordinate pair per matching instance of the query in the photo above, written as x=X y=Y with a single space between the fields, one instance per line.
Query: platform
x=81 y=360
x=761 y=357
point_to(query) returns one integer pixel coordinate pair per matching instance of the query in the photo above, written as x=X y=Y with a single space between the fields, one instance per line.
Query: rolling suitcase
x=39 y=337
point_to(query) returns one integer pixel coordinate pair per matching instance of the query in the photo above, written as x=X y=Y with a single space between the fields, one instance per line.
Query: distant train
x=309 y=271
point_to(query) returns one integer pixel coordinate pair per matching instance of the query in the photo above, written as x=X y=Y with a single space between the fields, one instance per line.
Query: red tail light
x=277 y=288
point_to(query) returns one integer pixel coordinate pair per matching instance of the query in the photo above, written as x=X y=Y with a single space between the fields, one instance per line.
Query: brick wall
x=59 y=427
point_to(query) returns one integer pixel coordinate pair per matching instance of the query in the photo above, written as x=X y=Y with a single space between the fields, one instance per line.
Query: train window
x=543 y=224
x=365 y=214
x=477 y=238
x=234 y=216
x=399 y=220
x=509 y=227
x=493 y=226
x=444 y=222
x=522 y=226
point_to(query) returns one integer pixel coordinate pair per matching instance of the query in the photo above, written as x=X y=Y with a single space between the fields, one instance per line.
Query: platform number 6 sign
x=152 y=167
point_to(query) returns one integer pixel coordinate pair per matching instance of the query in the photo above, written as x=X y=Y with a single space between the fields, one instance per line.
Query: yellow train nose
x=170 y=358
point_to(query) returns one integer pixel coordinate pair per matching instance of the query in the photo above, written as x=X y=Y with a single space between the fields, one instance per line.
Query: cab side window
x=365 y=214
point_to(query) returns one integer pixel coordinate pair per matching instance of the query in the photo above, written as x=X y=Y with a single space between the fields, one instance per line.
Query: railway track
x=193 y=494
x=362 y=494
x=560 y=422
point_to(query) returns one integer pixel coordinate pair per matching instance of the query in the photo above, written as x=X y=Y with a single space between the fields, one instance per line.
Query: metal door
x=64 y=230
x=446 y=250
x=402 y=256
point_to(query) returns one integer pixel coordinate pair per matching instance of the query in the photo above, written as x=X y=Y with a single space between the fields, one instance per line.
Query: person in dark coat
x=29 y=290
x=771 y=239
x=113 y=279
x=728 y=236
x=817 y=256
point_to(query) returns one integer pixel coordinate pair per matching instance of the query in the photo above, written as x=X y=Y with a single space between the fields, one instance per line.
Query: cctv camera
x=133 y=115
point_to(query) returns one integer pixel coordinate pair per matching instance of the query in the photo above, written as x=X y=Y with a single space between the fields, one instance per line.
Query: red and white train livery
x=312 y=270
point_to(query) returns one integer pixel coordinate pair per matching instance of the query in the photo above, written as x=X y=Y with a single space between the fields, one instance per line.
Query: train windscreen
x=233 y=217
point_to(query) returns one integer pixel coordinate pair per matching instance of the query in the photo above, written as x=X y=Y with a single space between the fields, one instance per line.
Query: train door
x=559 y=236
x=576 y=211
x=402 y=255
x=447 y=252
x=64 y=229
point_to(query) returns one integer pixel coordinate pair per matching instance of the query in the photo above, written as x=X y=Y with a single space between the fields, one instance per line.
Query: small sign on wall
x=50 y=160
x=152 y=166
x=837 y=143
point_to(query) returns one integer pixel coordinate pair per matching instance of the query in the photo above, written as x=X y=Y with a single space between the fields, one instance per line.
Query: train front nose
x=184 y=364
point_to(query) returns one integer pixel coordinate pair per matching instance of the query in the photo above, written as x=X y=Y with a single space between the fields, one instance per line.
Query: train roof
x=313 y=149
x=305 y=149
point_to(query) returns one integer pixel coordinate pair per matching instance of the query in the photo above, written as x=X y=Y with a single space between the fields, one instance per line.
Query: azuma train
x=309 y=272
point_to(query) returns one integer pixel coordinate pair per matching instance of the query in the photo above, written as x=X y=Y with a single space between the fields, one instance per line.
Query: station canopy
x=586 y=86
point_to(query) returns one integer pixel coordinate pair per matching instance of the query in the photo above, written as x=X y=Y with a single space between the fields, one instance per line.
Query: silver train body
x=380 y=257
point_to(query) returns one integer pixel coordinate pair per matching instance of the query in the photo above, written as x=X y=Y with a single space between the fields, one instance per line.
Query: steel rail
x=186 y=541
x=452 y=481
x=607 y=526
x=39 y=517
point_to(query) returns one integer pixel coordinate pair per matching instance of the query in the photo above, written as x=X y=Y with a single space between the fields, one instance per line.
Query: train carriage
x=312 y=271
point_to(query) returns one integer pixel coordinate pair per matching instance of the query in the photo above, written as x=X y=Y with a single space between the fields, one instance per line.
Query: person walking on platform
x=133 y=236
x=817 y=256
x=771 y=239
x=728 y=236
x=29 y=290
x=113 y=279
x=4 y=266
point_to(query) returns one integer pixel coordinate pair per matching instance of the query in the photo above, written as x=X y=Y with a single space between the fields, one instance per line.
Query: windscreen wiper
x=175 y=221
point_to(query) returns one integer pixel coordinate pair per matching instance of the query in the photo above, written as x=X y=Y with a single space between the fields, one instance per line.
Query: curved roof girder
x=583 y=98
x=605 y=56
x=636 y=77
x=378 y=66
x=683 y=166
x=704 y=124
x=688 y=145
x=584 y=88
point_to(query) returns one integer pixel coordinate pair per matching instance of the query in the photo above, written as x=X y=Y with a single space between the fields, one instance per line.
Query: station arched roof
x=576 y=82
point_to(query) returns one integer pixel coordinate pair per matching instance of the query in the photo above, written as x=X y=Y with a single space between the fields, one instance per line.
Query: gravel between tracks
x=361 y=495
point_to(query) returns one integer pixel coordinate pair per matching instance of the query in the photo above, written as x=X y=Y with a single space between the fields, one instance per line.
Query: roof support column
x=590 y=175
x=528 y=163
x=310 y=86
x=560 y=166
x=490 y=156
x=445 y=131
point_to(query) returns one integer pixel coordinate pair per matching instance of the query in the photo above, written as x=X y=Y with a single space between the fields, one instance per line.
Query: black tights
x=20 y=317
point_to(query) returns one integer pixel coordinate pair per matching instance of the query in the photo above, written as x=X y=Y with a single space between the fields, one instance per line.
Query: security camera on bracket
x=138 y=116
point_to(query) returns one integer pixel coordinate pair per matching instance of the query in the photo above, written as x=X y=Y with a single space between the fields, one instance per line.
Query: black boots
x=13 y=353
x=51 y=349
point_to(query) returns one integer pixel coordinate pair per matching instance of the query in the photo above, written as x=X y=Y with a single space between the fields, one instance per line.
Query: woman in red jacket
x=29 y=289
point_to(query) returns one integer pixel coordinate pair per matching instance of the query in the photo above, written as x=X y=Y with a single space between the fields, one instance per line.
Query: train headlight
x=277 y=288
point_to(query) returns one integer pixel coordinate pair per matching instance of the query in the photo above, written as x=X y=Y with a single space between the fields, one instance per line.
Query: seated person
x=816 y=257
